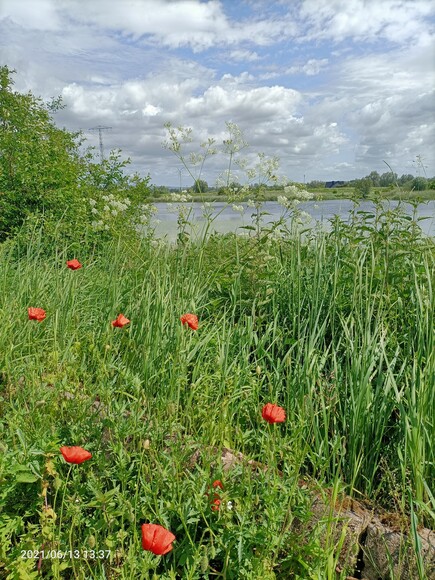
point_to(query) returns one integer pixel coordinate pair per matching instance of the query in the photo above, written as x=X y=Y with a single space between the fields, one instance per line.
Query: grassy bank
x=320 y=194
x=337 y=329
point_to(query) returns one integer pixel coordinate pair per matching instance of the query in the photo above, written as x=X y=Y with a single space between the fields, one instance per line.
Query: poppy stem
x=63 y=502
x=271 y=447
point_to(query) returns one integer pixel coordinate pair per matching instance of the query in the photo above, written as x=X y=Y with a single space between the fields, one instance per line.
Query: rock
x=372 y=546
x=390 y=554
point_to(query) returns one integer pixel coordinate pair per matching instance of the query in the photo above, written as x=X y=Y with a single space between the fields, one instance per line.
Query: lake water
x=229 y=220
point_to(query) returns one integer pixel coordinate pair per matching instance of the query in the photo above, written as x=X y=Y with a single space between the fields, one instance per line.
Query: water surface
x=228 y=220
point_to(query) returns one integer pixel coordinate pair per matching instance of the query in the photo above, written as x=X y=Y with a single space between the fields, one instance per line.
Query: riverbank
x=322 y=194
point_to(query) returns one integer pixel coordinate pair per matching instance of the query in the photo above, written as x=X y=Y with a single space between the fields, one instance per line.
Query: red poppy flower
x=75 y=455
x=217 y=483
x=216 y=504
x=120 y=321
x=36 y=314
x=73 y=264
x=156 y=539
x=191 y=320
x=273 y=414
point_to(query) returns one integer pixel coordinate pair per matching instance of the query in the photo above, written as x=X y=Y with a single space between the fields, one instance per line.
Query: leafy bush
x=45 y=179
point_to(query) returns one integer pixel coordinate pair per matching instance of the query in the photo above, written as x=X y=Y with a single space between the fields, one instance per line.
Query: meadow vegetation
x=337 y=328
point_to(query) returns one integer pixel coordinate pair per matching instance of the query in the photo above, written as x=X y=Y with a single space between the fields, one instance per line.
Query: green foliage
x=419 y=184
x=363 y=187
x=200 y=186
x=337 y=328
x=45 y=178
x=39 y=163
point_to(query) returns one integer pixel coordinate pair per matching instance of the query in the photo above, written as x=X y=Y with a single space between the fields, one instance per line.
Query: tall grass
x=337 y=328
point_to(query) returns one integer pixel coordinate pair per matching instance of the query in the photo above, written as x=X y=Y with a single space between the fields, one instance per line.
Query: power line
x=100 y=129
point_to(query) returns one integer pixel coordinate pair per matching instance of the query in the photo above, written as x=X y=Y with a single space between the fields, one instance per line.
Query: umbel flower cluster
x=111 y=208
x=155 y=538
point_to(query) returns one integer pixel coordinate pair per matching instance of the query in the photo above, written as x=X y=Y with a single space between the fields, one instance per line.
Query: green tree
x=419 y=183
x=44 y=175
x=388 y=178
x=374 y=178
x=200 y=186
x=363 y=186
x=40 y=164
x=315 y=184
x=405 y=178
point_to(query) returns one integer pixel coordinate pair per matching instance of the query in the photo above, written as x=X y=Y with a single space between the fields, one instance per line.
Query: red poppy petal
x=157 y=539
x=75 y=454
x=36 y=314
x=273 y=413
x=73 y=264
x=120 y=321
x=191 y=320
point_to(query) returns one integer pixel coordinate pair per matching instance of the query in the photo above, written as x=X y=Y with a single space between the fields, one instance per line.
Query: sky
x=334 y=88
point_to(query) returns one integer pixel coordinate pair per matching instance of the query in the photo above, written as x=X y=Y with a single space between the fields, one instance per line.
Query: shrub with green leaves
x=45 y=178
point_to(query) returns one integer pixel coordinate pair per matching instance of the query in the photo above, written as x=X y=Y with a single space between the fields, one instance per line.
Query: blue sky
x=332 y=87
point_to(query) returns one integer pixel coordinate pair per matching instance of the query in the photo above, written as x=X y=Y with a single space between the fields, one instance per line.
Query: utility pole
x=100 y=129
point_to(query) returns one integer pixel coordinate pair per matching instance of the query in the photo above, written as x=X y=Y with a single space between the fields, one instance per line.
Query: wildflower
x=238 y=208
x=191 y=320
x=273 y=413
x=291 y=190
x=157 y=539
x=120 y=321
x=73 y=264
x=304 y=194
x=92 y=202
x=216 y=504
x=75 y=455
x=36 y=314
x=304 y=217
x=229 y=505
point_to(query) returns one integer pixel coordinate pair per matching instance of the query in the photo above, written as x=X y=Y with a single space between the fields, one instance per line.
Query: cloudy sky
x=332 y=87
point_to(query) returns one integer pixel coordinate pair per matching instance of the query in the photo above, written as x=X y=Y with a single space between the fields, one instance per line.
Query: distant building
x=330 y=184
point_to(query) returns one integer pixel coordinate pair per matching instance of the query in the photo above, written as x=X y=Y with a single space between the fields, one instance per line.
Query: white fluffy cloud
x=327 y=85
x=362 y=20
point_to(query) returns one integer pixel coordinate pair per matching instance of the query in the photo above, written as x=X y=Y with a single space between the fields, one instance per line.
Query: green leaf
x=26 y=477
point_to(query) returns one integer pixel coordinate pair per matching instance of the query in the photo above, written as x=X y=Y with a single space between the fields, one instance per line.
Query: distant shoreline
x=319 y=195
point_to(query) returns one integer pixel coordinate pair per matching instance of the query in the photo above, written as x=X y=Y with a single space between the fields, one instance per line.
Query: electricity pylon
x=100 y=129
